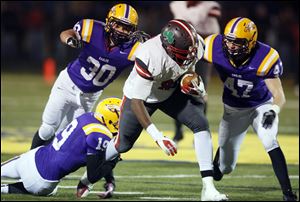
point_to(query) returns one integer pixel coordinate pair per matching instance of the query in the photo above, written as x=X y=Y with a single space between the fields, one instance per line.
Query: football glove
x=197 y=90
x=140 y=36
x=74 y=43
x=167 y=145
x=268 y=119
x=83 y=190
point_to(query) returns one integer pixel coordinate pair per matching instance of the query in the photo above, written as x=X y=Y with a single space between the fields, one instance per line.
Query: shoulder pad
x=87 y=27
x=208 y=52
x=268 y=61
x=95 y=127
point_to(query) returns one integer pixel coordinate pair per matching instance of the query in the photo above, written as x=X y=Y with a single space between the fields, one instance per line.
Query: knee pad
x=46 y=131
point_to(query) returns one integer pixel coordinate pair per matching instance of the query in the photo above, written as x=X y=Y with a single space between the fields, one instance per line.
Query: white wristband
x=275 y=108
x=154 y=132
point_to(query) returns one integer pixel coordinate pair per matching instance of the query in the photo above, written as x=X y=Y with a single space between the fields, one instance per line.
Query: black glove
x=268 y=119
x=140 y=36
x=74 y=43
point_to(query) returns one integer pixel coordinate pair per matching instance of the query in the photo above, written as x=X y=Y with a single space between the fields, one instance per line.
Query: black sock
x=280 y=169
x=206 y=173
x=17 y=188
x=109 y=176
x=37 y=141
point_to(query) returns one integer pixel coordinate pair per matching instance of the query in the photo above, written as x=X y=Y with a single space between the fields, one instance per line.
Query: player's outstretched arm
x=166 y=144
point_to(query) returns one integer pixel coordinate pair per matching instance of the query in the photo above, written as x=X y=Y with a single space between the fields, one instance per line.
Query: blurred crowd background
x=30 y=29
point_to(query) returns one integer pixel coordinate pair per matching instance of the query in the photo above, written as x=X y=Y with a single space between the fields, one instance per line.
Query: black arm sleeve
x=97 y=167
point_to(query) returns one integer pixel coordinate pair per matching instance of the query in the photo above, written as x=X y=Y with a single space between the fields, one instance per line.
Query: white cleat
x=212 y=195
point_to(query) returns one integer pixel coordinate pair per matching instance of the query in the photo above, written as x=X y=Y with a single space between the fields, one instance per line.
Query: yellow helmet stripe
x=87 y=29
x=130 y=56
x=268 y=62
x=95 y=127
x=209 y=47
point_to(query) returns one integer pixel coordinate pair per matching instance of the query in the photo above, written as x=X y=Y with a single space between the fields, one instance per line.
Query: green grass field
x=146 y=173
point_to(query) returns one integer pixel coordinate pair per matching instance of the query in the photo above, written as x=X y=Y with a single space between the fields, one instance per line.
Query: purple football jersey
x=68 y=151
x=96 y=66
x=244 y=86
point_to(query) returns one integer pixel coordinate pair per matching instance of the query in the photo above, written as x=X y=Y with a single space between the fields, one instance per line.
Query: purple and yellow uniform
x=97 y=66
x=244 y=87
x=67 y=153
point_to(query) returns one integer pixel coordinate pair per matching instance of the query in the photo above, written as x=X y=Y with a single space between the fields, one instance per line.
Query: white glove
x=198 y=90
x=167 y=145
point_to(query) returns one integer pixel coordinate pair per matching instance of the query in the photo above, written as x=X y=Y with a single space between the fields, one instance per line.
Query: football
x=186 y=81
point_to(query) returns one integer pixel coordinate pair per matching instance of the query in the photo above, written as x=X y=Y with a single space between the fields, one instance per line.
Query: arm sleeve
x=94 y=166
x=95 y=156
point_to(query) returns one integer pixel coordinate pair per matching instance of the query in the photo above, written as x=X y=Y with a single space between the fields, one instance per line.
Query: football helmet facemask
x=179 y=39
x=121 y=17
x=108 y=113
x=239 y=39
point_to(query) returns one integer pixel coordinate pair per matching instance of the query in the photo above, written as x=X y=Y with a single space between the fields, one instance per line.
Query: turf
x=167 y=180
x=140 y=176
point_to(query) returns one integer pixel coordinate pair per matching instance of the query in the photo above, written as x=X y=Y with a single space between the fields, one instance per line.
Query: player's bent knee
x=270 y=144
x=123 y=149
x=198 y=125
x=228 y=169
x=46 y=131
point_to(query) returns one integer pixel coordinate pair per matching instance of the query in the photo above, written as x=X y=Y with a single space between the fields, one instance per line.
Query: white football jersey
x=198 y=15
x=153 y=81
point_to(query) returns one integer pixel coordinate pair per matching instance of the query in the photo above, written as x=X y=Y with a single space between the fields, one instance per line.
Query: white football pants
x=66 y=102
x=233 y=128
x=24 y=168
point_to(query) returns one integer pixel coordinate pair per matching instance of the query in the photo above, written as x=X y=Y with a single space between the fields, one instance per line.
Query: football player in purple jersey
x=82 y=143
x=252 y=95
x=106 y=50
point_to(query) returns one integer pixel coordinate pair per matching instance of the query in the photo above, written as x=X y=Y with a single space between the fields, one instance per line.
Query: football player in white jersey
x=203 y=15
x=154 y=84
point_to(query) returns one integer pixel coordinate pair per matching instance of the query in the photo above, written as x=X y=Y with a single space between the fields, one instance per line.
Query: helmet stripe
x=234 y=24
x=185 y=28
x=127 y=9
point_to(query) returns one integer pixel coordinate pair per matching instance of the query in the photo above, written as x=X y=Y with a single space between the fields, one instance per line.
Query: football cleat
x=109 y=190
x=290 y=196
x=212 y=195
x=218 y=175
x=83 y=190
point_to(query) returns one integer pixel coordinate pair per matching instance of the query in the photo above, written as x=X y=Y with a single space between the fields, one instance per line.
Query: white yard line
x=184 y=176
x=77 y=177
x=168 y=198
